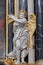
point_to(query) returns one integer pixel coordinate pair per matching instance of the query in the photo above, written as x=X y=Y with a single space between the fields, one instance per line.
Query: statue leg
x=18 y=56
x=23 y=55
x=22 y=59
x=18 y=51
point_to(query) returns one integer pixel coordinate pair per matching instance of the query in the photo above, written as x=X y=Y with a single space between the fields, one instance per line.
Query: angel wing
x=31 y=26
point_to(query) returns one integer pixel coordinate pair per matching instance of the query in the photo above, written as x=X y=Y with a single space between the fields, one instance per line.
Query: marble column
x=10 y=25
x=39 y=29
x=23 y=5
x=31 y=50
x=10 y=6
x=30 y=7
x=16 y=7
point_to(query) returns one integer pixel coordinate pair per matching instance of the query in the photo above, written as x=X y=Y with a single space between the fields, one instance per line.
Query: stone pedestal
x=31 y=56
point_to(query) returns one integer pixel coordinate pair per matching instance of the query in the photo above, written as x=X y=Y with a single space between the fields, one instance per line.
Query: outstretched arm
x=23 y=20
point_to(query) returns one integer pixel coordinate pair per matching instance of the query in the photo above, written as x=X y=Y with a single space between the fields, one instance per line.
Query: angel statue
x=21 y=36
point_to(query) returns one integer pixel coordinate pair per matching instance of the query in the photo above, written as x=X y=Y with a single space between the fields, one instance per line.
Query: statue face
x=31 y=16
x=21 y=14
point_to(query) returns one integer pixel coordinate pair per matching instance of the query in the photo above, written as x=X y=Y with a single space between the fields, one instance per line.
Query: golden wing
x=31 y=26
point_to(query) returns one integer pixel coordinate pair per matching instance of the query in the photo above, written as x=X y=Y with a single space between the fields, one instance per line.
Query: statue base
x=10 y=61
x=31 y=56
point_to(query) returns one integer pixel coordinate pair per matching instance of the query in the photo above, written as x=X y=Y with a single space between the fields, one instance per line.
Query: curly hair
x=25 y=13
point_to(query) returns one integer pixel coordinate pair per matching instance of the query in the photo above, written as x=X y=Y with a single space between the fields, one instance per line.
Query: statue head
x=22 y=14
x=32 y=16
